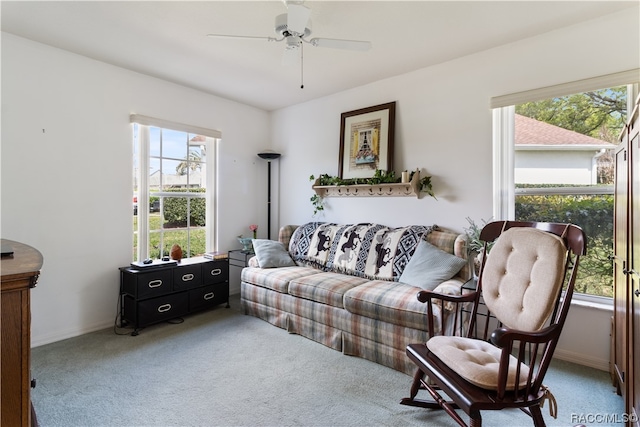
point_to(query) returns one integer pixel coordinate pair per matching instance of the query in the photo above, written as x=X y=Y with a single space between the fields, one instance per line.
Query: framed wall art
x=366 y=141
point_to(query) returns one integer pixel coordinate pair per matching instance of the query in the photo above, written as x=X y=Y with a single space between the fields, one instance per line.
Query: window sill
x=597 y=303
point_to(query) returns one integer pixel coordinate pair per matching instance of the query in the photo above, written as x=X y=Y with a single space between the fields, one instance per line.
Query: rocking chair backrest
x=503 y=278
x=574 y=246
x=523 y=276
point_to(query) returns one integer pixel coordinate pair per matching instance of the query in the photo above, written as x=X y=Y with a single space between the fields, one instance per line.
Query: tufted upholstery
x=520 y=282
x=522 y=276
x=476 y=360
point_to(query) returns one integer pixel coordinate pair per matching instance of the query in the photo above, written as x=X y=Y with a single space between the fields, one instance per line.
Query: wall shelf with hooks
x=404 y=189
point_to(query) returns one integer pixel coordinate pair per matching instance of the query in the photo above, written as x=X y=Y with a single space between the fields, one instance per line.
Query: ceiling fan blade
x=230 y=36
x=341 y=44
x=297 y=17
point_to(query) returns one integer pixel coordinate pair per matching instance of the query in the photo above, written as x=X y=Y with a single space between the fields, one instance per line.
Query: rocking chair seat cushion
x=476 y=361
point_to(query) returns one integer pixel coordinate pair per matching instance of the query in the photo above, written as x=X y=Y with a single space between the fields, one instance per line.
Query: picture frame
x=366 y=141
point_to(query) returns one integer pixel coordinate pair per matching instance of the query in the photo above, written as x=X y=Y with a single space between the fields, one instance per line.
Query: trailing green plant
x=425 y=185
x=317 y=203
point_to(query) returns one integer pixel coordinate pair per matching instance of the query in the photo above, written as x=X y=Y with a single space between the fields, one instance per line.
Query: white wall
x=444 y=125
x=67 y=180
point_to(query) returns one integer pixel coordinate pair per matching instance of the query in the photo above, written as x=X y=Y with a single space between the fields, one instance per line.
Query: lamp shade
x=268 y=155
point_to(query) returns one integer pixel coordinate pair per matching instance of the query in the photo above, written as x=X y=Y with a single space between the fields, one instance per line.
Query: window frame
x=503 y=143
x=141 y=125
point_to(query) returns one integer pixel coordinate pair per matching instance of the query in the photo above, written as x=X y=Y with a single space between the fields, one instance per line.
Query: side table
x=238 y=259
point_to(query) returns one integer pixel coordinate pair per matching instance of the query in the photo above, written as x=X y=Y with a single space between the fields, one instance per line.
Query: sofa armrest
x=447 y=297
x=449 y=287
x=285 y=233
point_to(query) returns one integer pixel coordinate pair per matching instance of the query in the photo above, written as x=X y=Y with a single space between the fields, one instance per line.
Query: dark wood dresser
x=20 y=273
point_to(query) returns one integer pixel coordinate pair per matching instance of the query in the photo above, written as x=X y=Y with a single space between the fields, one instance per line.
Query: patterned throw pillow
x=374 y=251
x=311 y=242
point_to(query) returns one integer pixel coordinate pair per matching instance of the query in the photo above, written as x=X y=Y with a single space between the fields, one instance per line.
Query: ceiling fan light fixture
x=282 y=29
x=293 y=42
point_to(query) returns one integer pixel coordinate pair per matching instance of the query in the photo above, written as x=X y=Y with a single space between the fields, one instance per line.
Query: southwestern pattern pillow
x=374 y=251
x=311 y=242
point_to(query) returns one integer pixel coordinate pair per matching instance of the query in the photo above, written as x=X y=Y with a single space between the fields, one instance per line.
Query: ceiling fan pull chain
x=301 y=66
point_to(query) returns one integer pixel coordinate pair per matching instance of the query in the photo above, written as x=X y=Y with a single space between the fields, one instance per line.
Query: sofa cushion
x=326 y=288
x=374 y=251
x=271 y=253
x=430 y=266
x=276 y=279
x=391 y=302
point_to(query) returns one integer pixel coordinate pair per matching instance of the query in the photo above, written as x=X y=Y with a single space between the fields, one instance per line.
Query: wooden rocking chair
x=523 y=295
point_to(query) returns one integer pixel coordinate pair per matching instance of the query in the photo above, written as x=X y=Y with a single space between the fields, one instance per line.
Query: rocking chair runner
x=519 y=297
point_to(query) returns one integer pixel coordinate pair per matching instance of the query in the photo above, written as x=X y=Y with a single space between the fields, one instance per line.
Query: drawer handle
x=155 y=283
x=164 y=308
x=216 y=271
x=209 y=296
x=187 y=277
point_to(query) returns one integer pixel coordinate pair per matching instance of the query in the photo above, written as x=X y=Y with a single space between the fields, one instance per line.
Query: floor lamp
x=268 y=156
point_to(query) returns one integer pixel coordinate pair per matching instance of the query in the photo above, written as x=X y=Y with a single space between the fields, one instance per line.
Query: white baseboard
x=63 y=335
x=581 y=359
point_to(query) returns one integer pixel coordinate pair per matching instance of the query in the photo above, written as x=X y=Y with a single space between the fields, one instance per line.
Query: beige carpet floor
x=222 y=368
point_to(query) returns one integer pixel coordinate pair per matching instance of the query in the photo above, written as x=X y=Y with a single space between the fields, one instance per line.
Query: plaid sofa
x=344 y=291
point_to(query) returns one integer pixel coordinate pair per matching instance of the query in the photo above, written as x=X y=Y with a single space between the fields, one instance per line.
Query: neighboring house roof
x=531 y=134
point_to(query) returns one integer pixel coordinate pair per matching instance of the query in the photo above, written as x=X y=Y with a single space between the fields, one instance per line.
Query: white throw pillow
x=271 y=253
x=429 y=266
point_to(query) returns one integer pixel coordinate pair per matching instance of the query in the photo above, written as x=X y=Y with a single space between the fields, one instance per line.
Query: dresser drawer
x=155 y=310
x=208 y=296
x=186 y=277
x=148 y=284
x=215 y=272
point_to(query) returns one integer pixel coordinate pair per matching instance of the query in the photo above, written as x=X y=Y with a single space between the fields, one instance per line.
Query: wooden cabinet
x=20 y=273
x=626 y=318
x=155 y=294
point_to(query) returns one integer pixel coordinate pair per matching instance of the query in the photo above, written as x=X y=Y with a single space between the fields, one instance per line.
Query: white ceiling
x=167 y=39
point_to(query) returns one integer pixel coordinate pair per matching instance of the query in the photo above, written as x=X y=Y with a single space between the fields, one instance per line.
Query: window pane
x=154 y=141
x=594 y=214
x=174 y=144
x=176 y=190
x=179 y=237
x=175 y=212
x=156 y=245
x=171 y=179
x=563 y=150
x=196 y=177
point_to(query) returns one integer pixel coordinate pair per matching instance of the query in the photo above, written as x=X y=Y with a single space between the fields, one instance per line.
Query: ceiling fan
x=294 y=28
